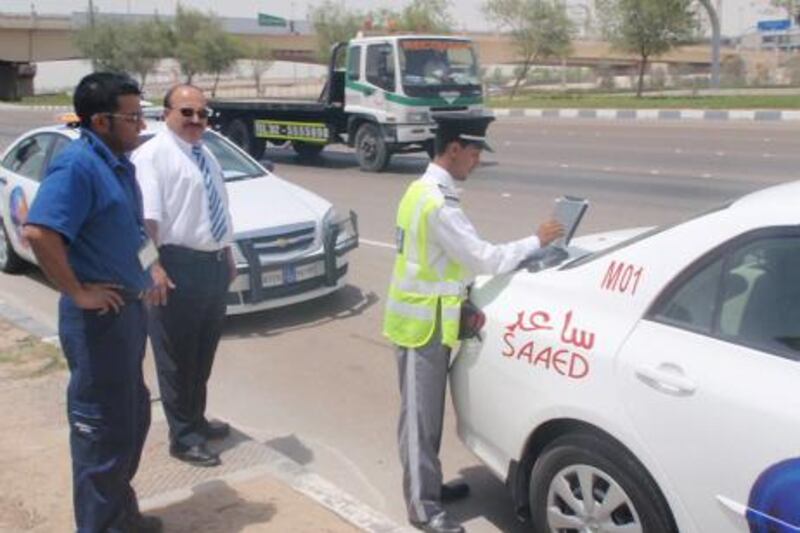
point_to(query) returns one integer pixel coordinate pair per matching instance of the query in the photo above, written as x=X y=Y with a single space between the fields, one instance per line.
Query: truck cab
x=394 y=85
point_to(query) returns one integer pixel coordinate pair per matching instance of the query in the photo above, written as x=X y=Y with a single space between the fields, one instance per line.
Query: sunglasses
x=188 y=112
x=133 y=118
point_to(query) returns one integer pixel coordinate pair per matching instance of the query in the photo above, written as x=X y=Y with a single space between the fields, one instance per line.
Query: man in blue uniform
x=87 y=231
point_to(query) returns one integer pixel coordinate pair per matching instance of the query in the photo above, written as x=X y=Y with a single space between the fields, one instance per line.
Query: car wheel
x=306 y=150
x=371 y=150
x=587 y=483
x=10 y=261
x=239 y=132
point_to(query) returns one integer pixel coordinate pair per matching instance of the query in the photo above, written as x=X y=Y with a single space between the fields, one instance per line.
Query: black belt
x=180 y=252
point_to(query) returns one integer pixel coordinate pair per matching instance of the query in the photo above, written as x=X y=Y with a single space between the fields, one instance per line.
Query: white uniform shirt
x=454 y=236
x=174 y=194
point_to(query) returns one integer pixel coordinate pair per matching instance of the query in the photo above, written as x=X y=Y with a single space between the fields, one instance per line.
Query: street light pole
x=715 y=42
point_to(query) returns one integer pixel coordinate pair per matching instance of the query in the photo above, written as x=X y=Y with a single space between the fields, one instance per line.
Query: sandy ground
x=35 y=471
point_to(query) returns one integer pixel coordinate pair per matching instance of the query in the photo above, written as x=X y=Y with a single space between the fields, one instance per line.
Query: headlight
x=419 y=116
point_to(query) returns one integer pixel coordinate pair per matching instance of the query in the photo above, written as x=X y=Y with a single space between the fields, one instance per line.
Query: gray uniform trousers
x=423 y=381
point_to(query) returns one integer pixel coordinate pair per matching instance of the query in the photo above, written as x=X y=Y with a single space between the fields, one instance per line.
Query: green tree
x=260 y=60
x=540 y=29
x=220 y=50
x=145 y=45
x=426 y=16
x=647 y=28
x=102 y=43
x=189 y=31
x=332 y=24
x=133 y=48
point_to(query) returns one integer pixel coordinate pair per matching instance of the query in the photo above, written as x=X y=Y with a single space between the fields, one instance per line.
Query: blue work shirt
x=90 y=196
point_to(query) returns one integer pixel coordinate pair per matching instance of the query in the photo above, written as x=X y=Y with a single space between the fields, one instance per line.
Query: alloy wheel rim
x=584 y=499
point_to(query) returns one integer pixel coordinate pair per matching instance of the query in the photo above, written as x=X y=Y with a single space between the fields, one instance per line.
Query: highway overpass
x=29 y=38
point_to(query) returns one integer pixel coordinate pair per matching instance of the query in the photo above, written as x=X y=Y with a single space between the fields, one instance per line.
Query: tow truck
x=380 y=98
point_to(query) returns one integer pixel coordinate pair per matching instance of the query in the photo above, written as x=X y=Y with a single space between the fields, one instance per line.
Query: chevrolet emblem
x=282 y=243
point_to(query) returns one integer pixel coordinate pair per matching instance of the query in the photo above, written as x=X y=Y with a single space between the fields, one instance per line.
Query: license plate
x=292 y=274
x=272 y=278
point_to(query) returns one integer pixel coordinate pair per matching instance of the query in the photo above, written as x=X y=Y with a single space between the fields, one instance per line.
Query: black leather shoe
x=145 y=524
x=440 y=523
x=216 y=430
x=197 y=455
x=453 y=491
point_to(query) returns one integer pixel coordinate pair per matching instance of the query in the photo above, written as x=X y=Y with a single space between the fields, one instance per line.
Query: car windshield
x=438 y=62
x=235 y=165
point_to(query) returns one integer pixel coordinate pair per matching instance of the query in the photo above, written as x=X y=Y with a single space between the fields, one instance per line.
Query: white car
x=291 y=244
x=648 y=381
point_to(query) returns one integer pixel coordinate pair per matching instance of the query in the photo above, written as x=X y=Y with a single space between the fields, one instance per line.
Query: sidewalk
x=255 y=490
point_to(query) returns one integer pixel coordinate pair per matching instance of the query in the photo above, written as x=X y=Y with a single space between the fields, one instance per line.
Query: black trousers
x=108 y=408
x=184 y=335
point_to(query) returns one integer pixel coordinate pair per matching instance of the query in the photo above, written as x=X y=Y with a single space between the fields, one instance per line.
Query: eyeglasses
x=188 y=112
x=133 y=118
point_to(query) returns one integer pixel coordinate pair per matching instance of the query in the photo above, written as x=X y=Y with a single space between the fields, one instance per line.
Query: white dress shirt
x=174 y=194
x=454 y=236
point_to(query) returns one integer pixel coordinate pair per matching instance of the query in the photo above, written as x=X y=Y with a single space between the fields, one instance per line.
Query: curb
x=770 y=115
x=279 y=466
x=758 y=115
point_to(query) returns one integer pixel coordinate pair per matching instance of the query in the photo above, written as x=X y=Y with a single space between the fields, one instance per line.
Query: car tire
x=371 y=150
x=10 y=261
x=624 y=493
x=306 y=150
x=239 y=132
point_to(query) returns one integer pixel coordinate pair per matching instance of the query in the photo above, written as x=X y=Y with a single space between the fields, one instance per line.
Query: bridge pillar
x=16 y=80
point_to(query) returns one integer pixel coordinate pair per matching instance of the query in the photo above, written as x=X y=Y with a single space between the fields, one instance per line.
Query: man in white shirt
x=438 y=254
x=186 y=214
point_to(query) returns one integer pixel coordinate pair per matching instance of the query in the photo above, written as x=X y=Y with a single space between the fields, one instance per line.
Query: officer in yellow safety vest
x=438 y=253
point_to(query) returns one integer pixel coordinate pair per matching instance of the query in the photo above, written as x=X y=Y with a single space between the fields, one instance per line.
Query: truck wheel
x=371 y=150
x=307 y=150
x=239 y=132
x=582 y=482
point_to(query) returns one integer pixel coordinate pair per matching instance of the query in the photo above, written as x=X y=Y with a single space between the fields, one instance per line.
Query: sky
x=738 y=16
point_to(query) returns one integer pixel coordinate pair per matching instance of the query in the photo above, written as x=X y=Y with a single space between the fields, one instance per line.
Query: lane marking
x=378 y=244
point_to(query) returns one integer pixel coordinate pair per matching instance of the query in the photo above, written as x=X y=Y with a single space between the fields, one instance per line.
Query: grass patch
x=29 y=357
x=48 y=99
x=619 y=101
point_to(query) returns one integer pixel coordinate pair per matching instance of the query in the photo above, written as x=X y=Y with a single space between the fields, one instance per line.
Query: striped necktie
x=215 y=210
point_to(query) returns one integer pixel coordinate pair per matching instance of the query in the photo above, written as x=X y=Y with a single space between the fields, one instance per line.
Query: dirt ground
x=35 y=471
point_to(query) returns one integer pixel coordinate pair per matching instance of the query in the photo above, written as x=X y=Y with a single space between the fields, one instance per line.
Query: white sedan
x=291 y=244
x=648 y=382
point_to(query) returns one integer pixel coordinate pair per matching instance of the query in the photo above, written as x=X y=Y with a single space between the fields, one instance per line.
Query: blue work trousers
x=108 y=408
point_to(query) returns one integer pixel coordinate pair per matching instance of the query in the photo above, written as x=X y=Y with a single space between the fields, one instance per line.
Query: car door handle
x=668 y=378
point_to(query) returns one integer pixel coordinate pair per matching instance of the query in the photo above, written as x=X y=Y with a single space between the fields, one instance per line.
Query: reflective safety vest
x=418 y=294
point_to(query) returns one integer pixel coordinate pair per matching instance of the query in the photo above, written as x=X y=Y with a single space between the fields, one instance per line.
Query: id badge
x=148 y=254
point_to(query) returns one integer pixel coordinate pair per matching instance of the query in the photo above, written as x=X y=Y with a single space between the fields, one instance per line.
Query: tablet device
x=568 y=211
